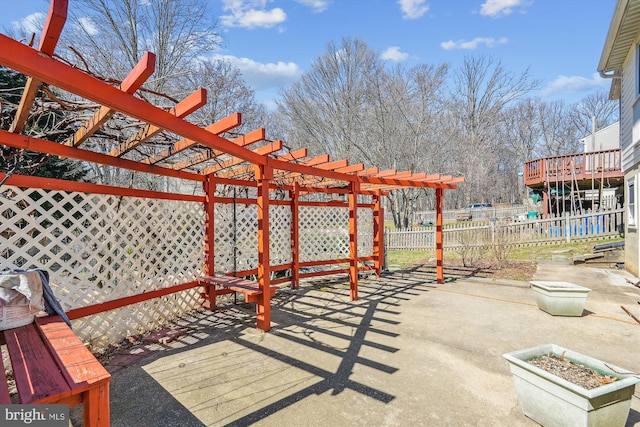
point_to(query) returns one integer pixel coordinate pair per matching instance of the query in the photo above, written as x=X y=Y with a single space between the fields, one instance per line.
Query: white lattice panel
x=98 y=248
x=323 y=233
x=365 y=232
x=280 y=234
x=243 y=236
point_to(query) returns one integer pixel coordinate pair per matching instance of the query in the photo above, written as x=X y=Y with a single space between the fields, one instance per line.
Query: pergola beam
x=216 y=128
x=136 y=78
x=47 y=147
x=28 y=61
x=56 y=17
x=182 y=109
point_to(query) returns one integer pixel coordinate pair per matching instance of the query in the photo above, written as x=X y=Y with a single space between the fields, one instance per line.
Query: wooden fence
x=530 y=232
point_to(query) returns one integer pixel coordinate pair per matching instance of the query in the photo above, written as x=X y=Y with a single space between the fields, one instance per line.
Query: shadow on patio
x=407 y=352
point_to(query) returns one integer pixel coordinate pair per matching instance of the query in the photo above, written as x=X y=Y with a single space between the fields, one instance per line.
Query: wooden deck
x=581 y=168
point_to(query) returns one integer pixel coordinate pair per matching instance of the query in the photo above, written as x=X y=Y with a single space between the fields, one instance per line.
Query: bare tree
x=351 y=107
x=559 y=133
x=227 y=93
x=327 y=107
x=110 y=36
x=596 y=106
x=483 y=89
x=404 y=133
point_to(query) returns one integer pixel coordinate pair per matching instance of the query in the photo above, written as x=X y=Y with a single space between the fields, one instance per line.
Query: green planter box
x=552 y=401
x=560 y=298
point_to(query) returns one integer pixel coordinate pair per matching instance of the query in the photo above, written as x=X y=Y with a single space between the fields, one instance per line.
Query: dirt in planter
x=579 y=375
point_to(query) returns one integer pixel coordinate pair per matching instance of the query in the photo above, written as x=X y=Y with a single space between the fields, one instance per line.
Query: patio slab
x=408 y=352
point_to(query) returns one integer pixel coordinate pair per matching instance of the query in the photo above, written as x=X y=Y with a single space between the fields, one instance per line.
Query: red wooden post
x=354 y=187
x=210 y=259
x=378 y=233
x=264 y=173
x=439 y=241
x=295 y=249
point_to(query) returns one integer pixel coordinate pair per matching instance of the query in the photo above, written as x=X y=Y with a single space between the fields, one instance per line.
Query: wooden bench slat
x=82 y=368
x=237 y=284
x=5 y=398
x=37 y=376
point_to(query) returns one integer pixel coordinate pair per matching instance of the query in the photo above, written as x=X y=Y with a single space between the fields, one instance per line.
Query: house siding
x=631 y=248
x=630 y=145
x=628 y=100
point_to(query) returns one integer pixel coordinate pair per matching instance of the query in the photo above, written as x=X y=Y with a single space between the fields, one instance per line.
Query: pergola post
x=210 y=259
x=354 y=187
x=295 y=249
x=264 y=173
x=378 y=233
x=439 y=241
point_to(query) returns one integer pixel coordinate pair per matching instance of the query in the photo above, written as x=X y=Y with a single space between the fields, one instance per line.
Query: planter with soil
x=560 y=298
x=559 y=387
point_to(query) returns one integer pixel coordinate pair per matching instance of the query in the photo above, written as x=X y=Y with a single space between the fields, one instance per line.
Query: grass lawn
x=520 y=265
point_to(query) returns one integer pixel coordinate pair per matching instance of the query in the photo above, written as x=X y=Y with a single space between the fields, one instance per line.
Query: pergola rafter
x=185 y=107
x=243 y=141
x=226 y=162
x=56 y=18
x=136 y=78
x=217 y=128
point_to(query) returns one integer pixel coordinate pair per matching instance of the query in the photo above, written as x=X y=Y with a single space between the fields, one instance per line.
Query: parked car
x=466 y=213
x=478 y=206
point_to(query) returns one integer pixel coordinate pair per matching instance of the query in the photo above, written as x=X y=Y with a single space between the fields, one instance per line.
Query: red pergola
x=204 y=156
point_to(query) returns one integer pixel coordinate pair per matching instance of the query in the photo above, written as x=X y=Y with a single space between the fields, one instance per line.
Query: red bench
x=51 y=365
x=220 y=285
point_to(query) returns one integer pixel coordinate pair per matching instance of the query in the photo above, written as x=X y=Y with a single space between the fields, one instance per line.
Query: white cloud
x=413 y=9
x=251 y=14
x=473 y=44
x=317 y=5
x=574 y=84
x=261 y=76
x=31 y=24
x=498 y=8
x=87 y=25
x=393 y=53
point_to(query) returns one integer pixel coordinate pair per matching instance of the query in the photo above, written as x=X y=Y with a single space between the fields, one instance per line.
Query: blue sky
x=273 y=42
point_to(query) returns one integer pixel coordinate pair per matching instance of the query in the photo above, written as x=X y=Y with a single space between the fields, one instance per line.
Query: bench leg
x=210 y=294
x=96 y=406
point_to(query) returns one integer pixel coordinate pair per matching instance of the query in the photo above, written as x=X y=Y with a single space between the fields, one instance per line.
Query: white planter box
x=552 y=401
x=560 y=298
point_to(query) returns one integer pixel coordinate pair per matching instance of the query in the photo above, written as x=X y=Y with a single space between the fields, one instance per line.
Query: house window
x=631 y=197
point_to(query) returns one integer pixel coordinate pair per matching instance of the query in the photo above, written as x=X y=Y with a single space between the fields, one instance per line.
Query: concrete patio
x=408 y=352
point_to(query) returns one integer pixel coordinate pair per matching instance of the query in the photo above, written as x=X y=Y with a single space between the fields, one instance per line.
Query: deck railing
x=577 y=166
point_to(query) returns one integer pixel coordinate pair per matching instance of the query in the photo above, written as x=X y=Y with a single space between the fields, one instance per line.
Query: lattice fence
x=99 y=248
x=365 y=232
x=323 y=233
x=236 y=243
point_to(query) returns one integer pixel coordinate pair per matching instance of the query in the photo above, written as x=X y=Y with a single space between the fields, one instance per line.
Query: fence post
x=567 y=226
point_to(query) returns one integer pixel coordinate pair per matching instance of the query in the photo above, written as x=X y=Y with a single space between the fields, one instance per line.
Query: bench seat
x=51 y=365
x=249 y=288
